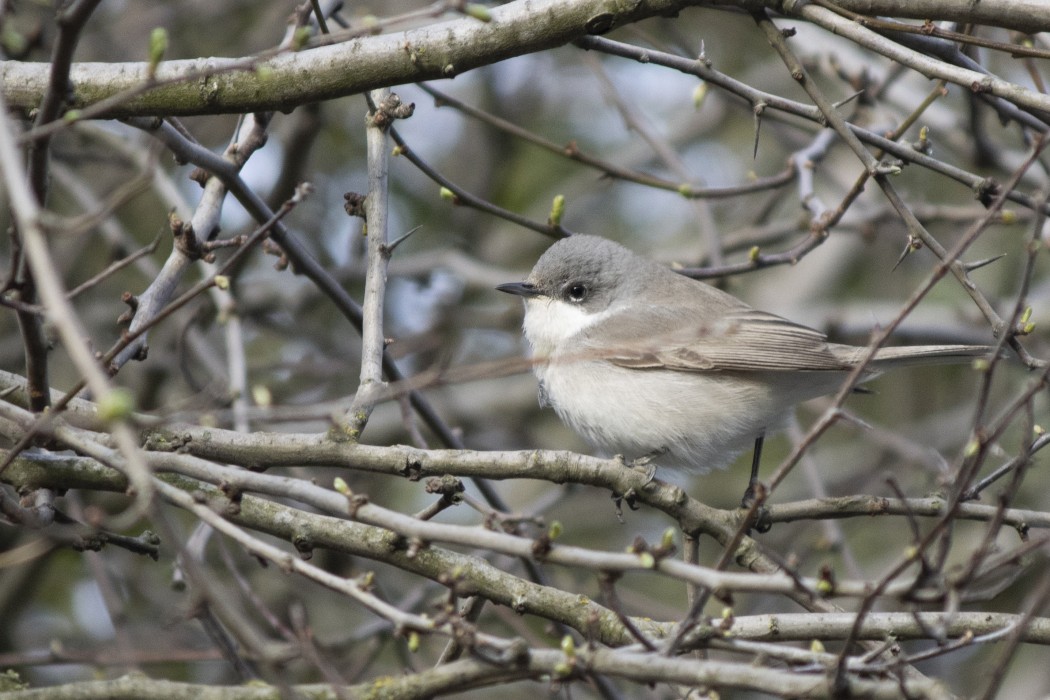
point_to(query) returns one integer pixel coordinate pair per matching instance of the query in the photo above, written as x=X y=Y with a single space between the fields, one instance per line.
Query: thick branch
x=444 y=50
x=238 y=85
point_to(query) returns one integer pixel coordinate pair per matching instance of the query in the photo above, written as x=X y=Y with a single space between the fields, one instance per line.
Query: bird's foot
x=630 y=498
x=645 y=463
x=760 y=521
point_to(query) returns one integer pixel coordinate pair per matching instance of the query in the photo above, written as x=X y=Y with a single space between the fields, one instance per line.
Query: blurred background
x=443 y=311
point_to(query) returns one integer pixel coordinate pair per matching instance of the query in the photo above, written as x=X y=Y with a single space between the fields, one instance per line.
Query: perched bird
x=644 y=362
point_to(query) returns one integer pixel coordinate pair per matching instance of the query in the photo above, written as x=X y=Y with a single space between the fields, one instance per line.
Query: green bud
x=568 y=646
x=699 y=93
x=478 y=12
x=116 y=404
x=12 y=40
x=262 y=396
x=158 y=45
x=562 y=669
x=300 y=38
x=557 y=210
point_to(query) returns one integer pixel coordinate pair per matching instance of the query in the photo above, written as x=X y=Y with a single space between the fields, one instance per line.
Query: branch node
x=390 y=110
x=354 y=204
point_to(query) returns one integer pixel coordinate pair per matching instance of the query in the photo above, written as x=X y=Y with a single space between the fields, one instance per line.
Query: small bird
x=646 y=363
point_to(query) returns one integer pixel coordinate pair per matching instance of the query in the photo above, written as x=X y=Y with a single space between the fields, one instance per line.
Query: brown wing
x=742 y=340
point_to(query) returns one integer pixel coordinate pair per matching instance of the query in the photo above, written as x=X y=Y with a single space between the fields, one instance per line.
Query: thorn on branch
x=757 y=110
x=388 y=249
x=846 y=101
x=977 y=264
x=914 y=244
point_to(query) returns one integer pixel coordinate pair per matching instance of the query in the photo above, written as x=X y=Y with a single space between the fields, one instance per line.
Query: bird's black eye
x=576 y=292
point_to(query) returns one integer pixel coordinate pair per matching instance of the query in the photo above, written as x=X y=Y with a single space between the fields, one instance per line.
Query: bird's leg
x=756 y=460
x=762 y=522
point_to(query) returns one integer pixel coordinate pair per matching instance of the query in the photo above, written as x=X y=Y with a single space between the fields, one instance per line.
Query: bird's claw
x=630 y=498
x=645 y=464
x=761 y=520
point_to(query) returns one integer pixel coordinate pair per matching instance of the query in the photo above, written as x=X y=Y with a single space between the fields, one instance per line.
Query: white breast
x=701 y=421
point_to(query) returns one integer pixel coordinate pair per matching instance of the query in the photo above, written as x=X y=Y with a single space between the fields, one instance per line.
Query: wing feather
x=742 y=340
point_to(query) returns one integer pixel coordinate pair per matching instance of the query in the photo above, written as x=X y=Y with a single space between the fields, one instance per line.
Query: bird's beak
x=521 y=289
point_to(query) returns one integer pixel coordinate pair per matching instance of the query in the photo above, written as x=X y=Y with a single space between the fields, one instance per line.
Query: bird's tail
x=913 y=355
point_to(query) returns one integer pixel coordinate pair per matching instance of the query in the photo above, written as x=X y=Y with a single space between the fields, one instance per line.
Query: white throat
x=549 y=323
